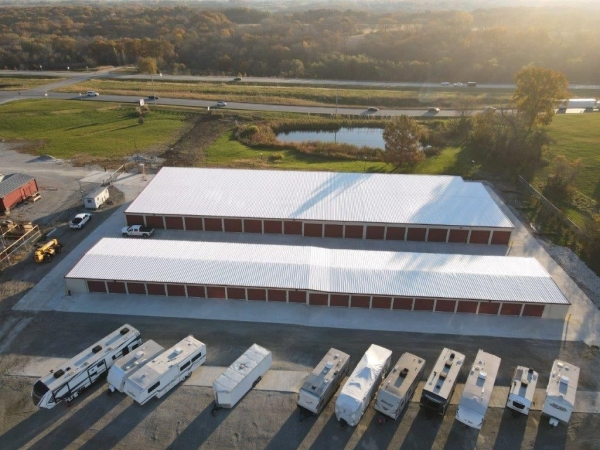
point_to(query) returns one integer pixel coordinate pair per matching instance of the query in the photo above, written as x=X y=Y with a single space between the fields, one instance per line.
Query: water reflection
x=370 y=137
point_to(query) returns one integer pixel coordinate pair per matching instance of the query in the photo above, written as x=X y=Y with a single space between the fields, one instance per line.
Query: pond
x=370 y=137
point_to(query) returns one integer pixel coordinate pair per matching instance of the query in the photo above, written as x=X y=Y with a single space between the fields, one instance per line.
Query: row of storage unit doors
x=330 y=230
x=318 y=298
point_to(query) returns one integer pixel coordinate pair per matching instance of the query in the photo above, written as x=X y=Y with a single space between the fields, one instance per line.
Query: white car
x=92 y=94
x=445 y=83
x=80 y=220
x=221 y=103
x=433 y=109
x=459 y=84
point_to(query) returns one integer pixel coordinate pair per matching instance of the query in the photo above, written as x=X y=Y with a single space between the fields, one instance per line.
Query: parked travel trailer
x=68 y=380
x=398 y=388
x=241 y=376
x=360 y=388
x=323 y=382
x=520 y=397
x=440 y=385
x=160 y=375
x=478 y=390
x=561 y=391
x=126 y=366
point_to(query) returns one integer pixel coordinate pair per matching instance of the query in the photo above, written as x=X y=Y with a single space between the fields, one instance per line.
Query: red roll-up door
x=339 y=300
x=297 y=296
x=501 y=237
x=292 y=227
x=533 y=310
x=196 y=291
x=317 y=299
x=96 y=286
x=354 y=232
x=116 y=287
x=445 y=306
x=375 y=232
x=479 y=236
x=334 y=230
x=403 y=303
x=252 y=226
x=395 y=233
x=277 y=295
x=273 y=226
x=437 y=235
x=215 y=292
x=136 y=288
x=511 y=309
x=174 y=223
x=313 y=229
x=133 y=219
x=458 y=236
x=155 y=222
x=193 y=223
x=466 y=307
x=381 y=302
x=257 y=294
x=489 y=308
x=424 y=304
x=155 y=289
x=233 y=225
x=360 y=301
x=176 y=290
x=416 y=234
x=212 y=224
x=236 y=293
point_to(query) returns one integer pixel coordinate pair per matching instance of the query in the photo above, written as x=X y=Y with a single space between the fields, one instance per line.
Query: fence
x=25 y=243
x=551 y=208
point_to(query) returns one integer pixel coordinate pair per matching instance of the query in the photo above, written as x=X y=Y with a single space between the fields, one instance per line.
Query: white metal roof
x=240 y=369
x=320 y=196
x=444 y=373
x=480 y=383
x=563 y=381
x=499 y=278
x=402 y=376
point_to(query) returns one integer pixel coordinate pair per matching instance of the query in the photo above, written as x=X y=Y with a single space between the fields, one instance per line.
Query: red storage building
x=320 y=277
x=322 y=204
x=15 y=188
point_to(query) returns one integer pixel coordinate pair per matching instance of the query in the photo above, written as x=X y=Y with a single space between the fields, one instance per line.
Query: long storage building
x=322 y=204
x=497 y=285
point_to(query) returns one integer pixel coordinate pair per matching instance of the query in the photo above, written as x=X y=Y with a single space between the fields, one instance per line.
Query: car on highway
x=433 y=109
x=489 y=108
x=237 y=79
x=459 y=84
x=221 y=103
x=372 y=109
x=153 y=97
x=79 y=221
x=445 y=83
x=92 y=94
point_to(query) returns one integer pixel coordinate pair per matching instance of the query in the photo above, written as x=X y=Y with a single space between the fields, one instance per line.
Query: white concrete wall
x=556 y=312
x=76 y=286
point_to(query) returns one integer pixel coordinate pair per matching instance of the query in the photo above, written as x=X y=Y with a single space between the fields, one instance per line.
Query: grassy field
x=22 y=84
x=227 y=152
x=68 y=129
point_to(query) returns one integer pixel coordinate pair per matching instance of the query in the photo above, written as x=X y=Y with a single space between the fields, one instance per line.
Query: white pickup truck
x=137 y=230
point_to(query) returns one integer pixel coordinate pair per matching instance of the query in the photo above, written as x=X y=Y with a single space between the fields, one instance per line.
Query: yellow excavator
x=46 y=251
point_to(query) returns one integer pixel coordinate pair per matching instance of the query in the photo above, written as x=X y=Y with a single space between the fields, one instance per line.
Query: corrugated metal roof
x=320 y=196
x=499 y=278
x=11 y=182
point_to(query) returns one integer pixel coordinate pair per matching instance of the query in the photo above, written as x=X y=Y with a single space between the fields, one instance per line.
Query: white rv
x=520 y=397
x=241 y=376
x=440 y=385
x=321 y=385
x=360 y=388
x=160 y=375
x=400 y=385
x=478 y=390
x=560 y=393
x=71 y=378
x=124 y=367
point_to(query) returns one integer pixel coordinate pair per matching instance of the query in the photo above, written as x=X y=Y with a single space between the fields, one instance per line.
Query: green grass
x=577 y=136
x=66 y=129
x=228 y=152
x=23 y=83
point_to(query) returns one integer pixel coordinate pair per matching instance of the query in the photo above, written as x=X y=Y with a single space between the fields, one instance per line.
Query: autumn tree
x=147 y=65
x=559 y=184
x=538 y=93
x=402 y=142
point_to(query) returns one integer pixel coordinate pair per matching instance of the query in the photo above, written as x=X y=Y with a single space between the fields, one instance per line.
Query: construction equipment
x=46 y=251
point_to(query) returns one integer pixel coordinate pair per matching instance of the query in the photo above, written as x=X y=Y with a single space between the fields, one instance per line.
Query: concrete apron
x=290 y=382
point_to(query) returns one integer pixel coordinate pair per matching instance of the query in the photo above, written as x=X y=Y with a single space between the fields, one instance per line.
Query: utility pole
x=336 y=100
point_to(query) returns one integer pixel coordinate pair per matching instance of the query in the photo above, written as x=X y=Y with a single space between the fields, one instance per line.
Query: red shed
x=14 y=188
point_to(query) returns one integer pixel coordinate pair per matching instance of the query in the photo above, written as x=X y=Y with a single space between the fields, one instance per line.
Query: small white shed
x=96 y=198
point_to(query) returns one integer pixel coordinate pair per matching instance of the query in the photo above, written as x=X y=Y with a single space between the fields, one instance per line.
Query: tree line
x=484 y=45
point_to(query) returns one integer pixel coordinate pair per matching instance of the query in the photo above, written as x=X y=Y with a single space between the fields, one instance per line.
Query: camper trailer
x=160 y=375
x=124 y=367
x=360 y=388
x=561 y=391
x=400 y=385
x=478 y=390
x=440 y=385
x=241 y=376
x=69 y=379
x=520 y=397
x=321 y=385
x=96 y=198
